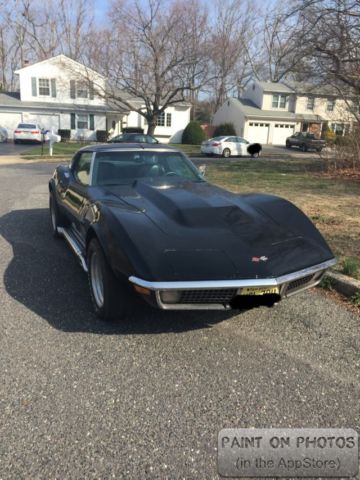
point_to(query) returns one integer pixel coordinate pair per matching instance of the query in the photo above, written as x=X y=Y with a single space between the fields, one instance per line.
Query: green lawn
x=332 y=204
x=68 y=149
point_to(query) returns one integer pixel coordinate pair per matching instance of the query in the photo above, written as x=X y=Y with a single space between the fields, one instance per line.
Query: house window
x=161 y=120
x=82 y=121
x=338 y=128
x=168 y=119
x=354 y=107
x=81 y=90
x=279 y=101
x=44 y=86
x=310 y=103
x=330 y=105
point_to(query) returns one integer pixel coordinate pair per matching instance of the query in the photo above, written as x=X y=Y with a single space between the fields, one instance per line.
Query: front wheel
x=304 y=148
x=226 y=153
x=57 y=219
x=288 y=145
x=109 y=297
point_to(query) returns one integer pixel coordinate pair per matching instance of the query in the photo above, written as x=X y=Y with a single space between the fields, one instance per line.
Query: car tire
x=16 y=142
x=109 y=297
x=57 y=219
x=226 y=153
x=288 y=145
x=304 y=148
x=319 y=150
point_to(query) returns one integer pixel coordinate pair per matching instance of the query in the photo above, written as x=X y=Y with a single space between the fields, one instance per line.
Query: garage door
x=10 y=121
x=45 y=121
x=281 y=132
x=258 y=132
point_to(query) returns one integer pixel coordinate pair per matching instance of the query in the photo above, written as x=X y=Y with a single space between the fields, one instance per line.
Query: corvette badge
x=259 y=259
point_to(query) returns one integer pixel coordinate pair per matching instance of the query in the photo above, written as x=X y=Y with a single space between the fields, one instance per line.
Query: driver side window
x=81 y=168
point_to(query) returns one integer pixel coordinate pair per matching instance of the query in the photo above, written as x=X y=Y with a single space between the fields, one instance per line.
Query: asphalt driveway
x=9 y=148
x=145 y=399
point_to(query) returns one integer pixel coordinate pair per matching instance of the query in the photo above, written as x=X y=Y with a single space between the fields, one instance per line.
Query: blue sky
x=100 y=10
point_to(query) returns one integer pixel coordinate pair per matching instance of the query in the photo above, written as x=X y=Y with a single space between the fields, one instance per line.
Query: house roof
x=319 y=89
x=275 y=87
x=251 y=110
x=136 y=102
x=12 y=100
x=58 y=59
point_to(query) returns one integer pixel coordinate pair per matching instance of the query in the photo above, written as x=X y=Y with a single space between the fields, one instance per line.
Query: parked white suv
x=28 y=132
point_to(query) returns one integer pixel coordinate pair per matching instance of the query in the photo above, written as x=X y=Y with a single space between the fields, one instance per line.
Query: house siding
x=255 y=93
x=54 y=109
x=62 y=71
x=229 y=112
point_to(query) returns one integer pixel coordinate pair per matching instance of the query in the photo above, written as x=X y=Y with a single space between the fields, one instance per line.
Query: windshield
x=117 y=168
x=26 y=125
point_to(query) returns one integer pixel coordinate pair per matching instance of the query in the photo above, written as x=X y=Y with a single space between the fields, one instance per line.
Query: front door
x=76 y=195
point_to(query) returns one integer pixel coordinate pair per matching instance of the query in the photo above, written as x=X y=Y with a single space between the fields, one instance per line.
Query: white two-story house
x=59 y=93
x=270 y=112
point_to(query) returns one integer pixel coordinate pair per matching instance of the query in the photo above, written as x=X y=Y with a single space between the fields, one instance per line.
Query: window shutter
x=92 y=123
x=72 y=89
x=33 y=87
x=72 y=121
x=91 y=91
x=53 y=87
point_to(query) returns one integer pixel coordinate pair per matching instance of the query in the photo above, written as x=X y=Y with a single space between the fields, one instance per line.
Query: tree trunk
x=151 y=127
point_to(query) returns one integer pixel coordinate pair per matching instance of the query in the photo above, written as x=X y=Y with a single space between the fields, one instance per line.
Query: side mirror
x=202 y=170
x=64 y=175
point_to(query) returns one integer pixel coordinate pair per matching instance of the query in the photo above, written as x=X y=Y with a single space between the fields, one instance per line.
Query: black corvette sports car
x=144 y=222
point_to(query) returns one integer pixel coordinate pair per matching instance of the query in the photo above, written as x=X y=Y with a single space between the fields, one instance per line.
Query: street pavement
x=146 y=398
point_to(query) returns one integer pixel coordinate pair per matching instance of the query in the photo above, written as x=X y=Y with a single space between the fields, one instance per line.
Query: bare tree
x=52 y=27
x=230 y=33
x=283 y=44
x=157 y=57
x=334 y=32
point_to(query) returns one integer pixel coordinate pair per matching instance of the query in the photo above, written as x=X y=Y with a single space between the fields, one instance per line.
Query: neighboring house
x=269 y=112
x=60 y=93
x=170 y=124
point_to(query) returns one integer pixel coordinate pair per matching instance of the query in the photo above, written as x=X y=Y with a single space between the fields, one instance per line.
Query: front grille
x=300 y=282
x=208 y=296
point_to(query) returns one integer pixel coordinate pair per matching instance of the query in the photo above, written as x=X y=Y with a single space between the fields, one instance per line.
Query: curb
x=343 y=284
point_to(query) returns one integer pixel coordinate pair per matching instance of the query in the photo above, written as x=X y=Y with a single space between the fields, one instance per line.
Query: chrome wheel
x=97 y=281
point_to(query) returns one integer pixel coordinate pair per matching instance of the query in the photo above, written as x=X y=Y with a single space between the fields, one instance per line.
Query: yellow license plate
x=258 y=290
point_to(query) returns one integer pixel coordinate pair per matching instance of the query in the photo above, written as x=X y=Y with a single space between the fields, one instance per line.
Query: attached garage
x=281 y=132
x=257 y=132
x=10 y=121
x=46 y=121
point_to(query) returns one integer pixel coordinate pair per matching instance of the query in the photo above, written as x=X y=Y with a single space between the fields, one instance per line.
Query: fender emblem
x=259 y=259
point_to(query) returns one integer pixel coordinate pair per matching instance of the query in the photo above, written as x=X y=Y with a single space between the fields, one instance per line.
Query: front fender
x=288 y=215
x=116 y=243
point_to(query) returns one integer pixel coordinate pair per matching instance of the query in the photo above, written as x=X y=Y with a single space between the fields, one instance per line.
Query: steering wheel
x=171 y=174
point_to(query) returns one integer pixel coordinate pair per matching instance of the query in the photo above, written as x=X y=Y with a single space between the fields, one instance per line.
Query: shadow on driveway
x=45 y=277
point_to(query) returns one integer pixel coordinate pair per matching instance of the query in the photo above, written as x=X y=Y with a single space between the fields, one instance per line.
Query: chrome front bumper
x=288 y=284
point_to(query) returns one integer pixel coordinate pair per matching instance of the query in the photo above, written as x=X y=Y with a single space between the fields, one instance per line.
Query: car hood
x=193 y=230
